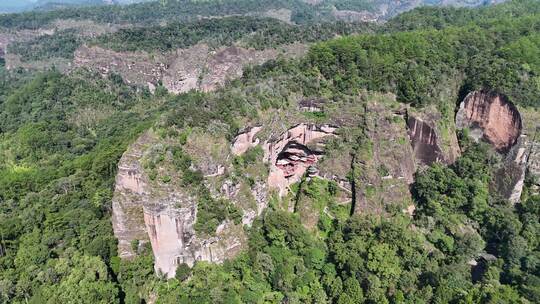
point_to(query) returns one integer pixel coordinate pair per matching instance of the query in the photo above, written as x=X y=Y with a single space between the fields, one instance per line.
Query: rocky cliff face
x=174 y=240
x=130 y=193
x=490 y=116
x=368 y=151
x=165 y=214
x=509 y=179
x=245 y=140
x=424 y=141
x=369 y=177
x=426 y=136
x=290 y=154
x=197 y=67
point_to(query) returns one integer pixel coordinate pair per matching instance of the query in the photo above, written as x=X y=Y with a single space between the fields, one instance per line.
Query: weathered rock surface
x=427 y=141
x=245 y=140
x=424 y=141
x=291 y=153
x=129 y=195
x=492 y=117
x=371 y=150
x=182 y=70
x=523 y=158
x=174 y=241
x=509 y=179
x=165 y=214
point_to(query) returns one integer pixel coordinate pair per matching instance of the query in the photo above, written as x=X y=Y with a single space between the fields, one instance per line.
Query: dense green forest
x=61 y=44
x=499 y=51
x=257 y=33
x=156 y=11
x=253 y=32
x=61 y=137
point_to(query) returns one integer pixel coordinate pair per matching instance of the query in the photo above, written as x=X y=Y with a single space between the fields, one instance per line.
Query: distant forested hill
x=13 y=6
x=62 y=136
x=182 y=10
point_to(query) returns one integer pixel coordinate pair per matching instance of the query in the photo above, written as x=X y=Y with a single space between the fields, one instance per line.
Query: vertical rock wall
x=492 y=117
x=129 y=196
x=424 y=141
x=429 y=141
x=165 y=215
x=383 y=144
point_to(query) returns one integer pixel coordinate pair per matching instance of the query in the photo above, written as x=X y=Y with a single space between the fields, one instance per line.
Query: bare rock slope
x=182 y=70
x=146 y=209
x=491 y=117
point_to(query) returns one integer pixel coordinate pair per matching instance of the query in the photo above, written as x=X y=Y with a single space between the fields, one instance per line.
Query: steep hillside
x=218 y=161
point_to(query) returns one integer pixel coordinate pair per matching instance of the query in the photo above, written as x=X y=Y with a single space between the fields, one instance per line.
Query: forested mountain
x=180 y=10
x=270 y=154
x=12 y=6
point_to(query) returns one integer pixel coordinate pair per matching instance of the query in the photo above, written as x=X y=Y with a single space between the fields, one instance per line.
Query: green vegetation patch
x=258 y=33
x=61 y=44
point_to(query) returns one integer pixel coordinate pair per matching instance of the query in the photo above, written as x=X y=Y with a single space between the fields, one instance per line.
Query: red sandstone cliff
x=492 y=117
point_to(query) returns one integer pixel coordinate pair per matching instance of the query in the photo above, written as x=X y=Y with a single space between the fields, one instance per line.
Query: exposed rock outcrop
x=366 y=152
x=182 y=70
x=165 y=214
x=523 y=158
x=174 y=240
x=424 y=141
x=290 y=154
x=245 y=140
x=509 y=179
x=129 y=195
x=431 y=144
x=492 y=117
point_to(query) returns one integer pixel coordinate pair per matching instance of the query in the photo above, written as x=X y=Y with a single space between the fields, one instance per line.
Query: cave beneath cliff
x=296 y=157
x=293 y=152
